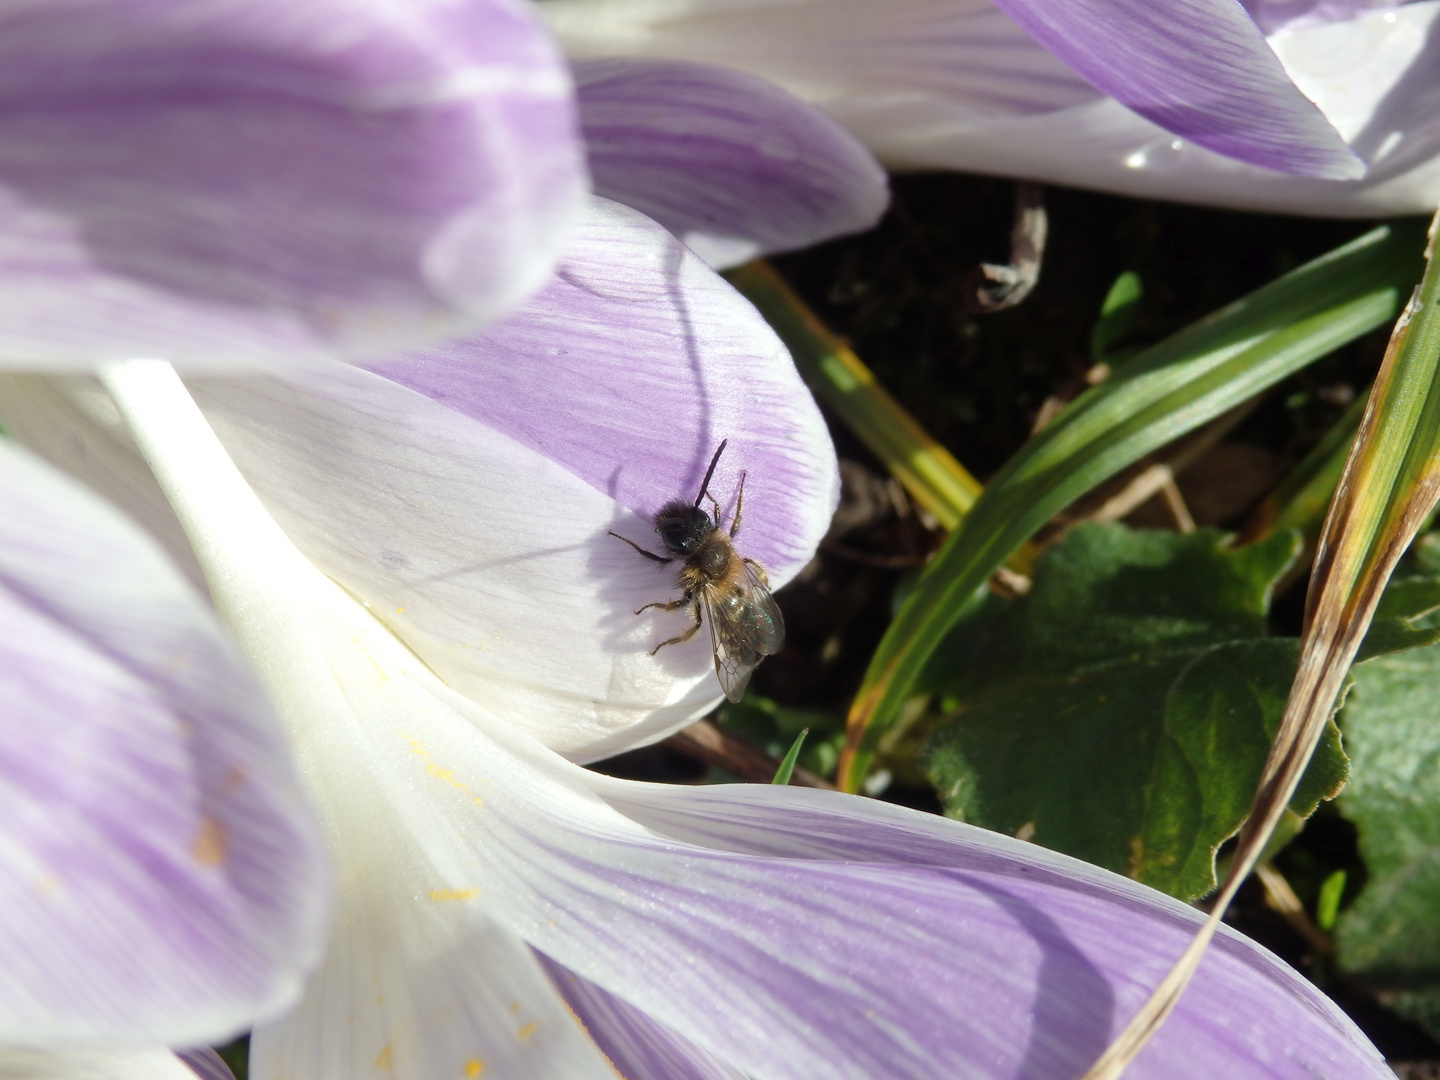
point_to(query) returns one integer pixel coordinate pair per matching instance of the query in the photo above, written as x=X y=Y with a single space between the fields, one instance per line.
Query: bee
x=745 y=622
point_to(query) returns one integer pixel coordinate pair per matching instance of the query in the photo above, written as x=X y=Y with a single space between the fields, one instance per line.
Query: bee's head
x=682 y=526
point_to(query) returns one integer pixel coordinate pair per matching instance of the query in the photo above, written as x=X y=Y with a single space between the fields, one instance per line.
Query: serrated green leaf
x=1164 y=392
x=1122 y=709
x=1390 y=936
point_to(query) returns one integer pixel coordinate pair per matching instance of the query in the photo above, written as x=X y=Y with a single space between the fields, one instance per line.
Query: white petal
x=419 y=982
x=92 y=1063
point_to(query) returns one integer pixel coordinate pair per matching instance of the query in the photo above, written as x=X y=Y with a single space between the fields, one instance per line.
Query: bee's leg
x=688 y=634
x=648 y=554
x=739 y=503
x=666 y=605
x=758 y=571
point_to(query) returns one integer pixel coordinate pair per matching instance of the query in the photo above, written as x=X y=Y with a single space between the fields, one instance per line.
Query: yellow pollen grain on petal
x=454 y=894
x=473 y=1068
x=208 y=847
x=435 y=770
x=386 y=1058
x=526 y=1031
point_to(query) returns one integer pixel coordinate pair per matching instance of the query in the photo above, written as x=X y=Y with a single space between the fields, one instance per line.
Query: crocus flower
x=234 y=186
x=1188 y=100
x=504 y=912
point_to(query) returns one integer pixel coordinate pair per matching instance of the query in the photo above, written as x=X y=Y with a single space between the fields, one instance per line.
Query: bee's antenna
x=711 y=471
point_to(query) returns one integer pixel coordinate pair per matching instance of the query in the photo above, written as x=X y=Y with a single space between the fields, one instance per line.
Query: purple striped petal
x=858 y=60
x=266 y=183
x=731 y=164
x=639 y=1047
x=467 y=494
x=160 y=875
x=1374 y=77
x=206 y=1063
x=987 y=959
x=1198 y=68
x=793 y=933
x=629 y=368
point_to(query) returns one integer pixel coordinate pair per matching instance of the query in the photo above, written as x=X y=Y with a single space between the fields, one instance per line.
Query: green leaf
x=787 y=763
x=1327 y=905
x=1164 y=392
x=1390 y=936
x=1121 y=710
x=1117 y=314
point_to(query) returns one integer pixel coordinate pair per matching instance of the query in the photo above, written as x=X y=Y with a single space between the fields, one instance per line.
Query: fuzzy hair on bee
x=733 y=592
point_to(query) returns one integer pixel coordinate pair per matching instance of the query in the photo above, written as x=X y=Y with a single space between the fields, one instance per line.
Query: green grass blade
x=787 y=763
x=931 y=475
x=1164 y=392
x=1299 y=502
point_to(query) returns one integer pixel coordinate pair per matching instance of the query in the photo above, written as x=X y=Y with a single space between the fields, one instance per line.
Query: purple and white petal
x=1273 y=16
x=731 y=164
x=950 y=58
x=1201 y=70
x=934 y=84
x=467 y=494
x=205 y=1063
x=866 y=940
x=640 y=1047
x=1377 y=77
x=1371 y=75
x=93 y=1063
x=265 y=184
x=160 y=874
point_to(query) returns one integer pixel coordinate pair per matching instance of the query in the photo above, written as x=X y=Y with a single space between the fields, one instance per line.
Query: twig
x=1000 y=286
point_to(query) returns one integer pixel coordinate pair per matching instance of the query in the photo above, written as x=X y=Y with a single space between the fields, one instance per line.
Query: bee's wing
x=760 y=596
x=745 y=627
